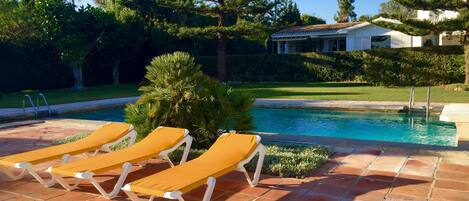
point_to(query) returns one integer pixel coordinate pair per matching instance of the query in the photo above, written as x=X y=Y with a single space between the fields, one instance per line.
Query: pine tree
x=391 y=7
x=311 y=20
x=416 y=27
x=223 y=11
x=289 y=14
x=346 y=11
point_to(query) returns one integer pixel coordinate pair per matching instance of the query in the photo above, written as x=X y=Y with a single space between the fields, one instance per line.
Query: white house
x=340 y=37
x=354 y=36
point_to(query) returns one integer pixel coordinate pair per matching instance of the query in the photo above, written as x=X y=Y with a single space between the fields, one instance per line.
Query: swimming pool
x=331 y=123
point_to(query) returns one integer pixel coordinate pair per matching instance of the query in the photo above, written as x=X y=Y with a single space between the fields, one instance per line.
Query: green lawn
x=59 y=96
x=349 y=91
x=312 y=91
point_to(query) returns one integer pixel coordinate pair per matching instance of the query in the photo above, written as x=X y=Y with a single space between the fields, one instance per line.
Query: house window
x=315 y=46
x=342 y=45
x=338 y=45
x=333 y=45
x=300 y=46
x=282 y=47
x=380 y=42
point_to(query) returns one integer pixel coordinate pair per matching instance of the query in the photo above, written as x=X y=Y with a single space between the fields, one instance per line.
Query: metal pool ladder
x=412 y=101
x=36 y=107
x=41 y=95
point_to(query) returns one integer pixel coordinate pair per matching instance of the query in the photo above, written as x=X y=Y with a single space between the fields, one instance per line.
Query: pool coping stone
x=10 y=114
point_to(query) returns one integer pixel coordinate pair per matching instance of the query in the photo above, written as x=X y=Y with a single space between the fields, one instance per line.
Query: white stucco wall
x=360 y=39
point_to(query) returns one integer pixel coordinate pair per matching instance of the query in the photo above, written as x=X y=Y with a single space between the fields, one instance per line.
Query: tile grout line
x=432 y=187
x=336 y=164
x=270 y=189
x=25 y=196
x=365 y=171
x=398 y=173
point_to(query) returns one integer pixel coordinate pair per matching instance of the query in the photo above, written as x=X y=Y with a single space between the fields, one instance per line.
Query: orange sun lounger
x=230 y=152
x=158 y=143
x=101 y=139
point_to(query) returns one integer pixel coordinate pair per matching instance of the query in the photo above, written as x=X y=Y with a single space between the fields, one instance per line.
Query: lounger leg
x=134 y=196
x=120 y=182
x=94 y=153
x=259 y=165
x=64 y=183
x=11 y=175
x=28 y=167
x=187 y=149
x=188 y=141
x=211 y=181
x=169 y=160
x=261 y=151
x=143 y=164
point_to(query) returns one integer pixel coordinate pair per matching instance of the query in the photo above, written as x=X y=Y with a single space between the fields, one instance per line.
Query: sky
x=325 y=9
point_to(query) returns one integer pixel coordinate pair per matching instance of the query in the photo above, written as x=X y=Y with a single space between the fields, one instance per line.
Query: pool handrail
x=28 y=97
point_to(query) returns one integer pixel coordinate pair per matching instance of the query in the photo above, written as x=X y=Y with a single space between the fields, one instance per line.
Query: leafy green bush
x=388 y=67
x=178 y=94
x=283 y=161
x=41 y=69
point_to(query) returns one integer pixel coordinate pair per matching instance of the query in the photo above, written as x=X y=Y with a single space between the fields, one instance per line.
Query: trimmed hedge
x=421 y=66
x=36 y=66
x=31 y=68
x=389 y=67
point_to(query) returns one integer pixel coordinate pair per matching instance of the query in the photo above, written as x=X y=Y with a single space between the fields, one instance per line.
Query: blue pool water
x=331 y=123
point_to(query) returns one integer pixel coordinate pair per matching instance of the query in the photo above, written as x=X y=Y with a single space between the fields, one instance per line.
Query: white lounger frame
x=88 y=176
x=27 y=167
x=211 y=181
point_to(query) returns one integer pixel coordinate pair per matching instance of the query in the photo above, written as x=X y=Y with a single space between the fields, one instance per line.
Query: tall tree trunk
x=77 y=76
x=466 y=56
x=221 y=57
x=115 y=71
x=221 y=50
x=466 y=61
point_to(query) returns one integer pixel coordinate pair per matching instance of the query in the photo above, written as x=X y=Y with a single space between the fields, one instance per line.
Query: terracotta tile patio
x=366 y=174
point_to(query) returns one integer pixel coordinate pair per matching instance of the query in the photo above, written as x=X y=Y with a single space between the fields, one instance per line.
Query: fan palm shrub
x=178 y=94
